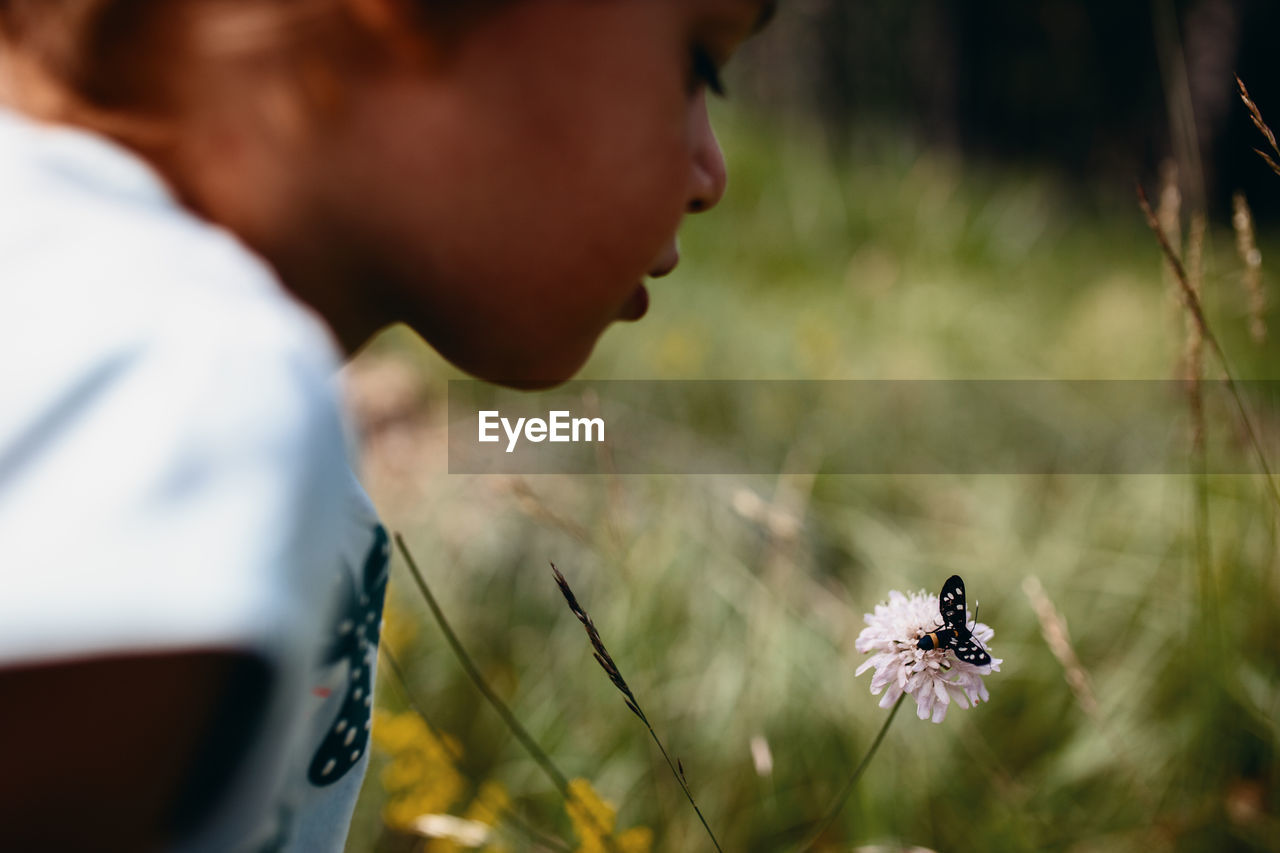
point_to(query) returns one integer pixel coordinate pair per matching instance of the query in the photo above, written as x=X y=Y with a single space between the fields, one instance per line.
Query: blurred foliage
x=731 y=604
x=1080 y=86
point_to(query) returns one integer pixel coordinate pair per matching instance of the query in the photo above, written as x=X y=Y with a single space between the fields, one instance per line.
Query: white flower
x=934 y=677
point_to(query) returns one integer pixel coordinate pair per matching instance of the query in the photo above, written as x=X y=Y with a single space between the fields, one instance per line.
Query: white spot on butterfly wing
x=953 y=608
x=970 y=652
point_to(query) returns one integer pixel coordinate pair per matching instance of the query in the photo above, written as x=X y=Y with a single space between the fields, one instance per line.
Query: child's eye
x=705 y=72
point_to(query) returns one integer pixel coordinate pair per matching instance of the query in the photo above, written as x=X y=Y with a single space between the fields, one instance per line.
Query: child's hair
x=128 y=67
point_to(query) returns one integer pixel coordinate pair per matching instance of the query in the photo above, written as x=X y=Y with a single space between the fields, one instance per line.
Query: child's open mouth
x=637 y=304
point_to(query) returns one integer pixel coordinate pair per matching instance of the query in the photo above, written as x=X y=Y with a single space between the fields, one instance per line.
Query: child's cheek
x=648 y=194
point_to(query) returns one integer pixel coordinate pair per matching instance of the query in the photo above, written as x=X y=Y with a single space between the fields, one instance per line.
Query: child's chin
x=532 y=384
x=538 y=372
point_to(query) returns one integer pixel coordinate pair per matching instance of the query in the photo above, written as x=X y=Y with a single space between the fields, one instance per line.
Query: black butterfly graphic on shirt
x=358 y=629
x=955 y=633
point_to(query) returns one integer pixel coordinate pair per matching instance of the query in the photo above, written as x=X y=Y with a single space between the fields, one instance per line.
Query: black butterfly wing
x=951 y=604
x=967 y=649
x=955 y=617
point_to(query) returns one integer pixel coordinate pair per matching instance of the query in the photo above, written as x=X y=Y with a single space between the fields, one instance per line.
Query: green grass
x=896 y=264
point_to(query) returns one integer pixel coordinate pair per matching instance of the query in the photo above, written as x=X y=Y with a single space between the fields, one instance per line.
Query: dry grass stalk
x=1251 y=257
x=1169 y=207
x=529 y=503
x=1190 y=298
x=1256 y=115
x=610 y=668
x=1197 y=312
x=1054 y=629
x=1169 y=215
x=1193 y=349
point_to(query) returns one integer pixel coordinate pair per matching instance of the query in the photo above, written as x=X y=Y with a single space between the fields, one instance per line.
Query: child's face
x=509 y=203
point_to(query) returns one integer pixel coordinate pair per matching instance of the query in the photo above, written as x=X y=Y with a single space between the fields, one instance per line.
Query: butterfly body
x=941 y=638
x=954 y=633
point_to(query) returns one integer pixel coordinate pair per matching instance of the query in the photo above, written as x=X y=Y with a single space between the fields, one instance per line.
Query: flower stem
x=838 y=803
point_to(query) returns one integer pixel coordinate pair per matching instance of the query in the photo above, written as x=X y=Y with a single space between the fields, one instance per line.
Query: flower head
x=933 y=677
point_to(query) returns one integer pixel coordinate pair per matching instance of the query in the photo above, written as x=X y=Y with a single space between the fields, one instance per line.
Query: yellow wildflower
x=593 y=818
x=489 y=803
x=637 y=839
x=421 y=777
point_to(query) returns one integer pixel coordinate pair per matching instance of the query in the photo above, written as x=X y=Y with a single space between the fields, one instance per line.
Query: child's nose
x=710 y=175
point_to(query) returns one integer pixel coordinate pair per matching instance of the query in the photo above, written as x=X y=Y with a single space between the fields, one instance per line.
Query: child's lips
x=667 y=263
x=637 y=304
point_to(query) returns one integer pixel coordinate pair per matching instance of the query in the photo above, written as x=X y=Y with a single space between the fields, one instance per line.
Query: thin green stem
x=838 y=803
x=473 y=672
x=526 y=740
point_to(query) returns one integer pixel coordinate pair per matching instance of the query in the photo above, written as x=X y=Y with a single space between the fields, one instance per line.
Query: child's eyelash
x=705 y=72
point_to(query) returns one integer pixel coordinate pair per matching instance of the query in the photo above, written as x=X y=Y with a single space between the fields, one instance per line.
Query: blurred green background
x=1139 y=703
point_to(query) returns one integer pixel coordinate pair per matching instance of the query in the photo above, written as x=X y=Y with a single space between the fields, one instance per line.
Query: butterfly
x=954 y=633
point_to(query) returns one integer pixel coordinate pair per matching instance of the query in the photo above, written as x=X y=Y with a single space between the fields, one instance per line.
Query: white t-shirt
x=174 y=471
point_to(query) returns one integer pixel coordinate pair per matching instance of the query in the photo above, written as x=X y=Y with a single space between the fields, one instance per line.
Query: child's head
x=501 y=175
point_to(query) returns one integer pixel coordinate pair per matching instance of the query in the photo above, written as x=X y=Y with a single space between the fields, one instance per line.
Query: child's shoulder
x=138 y=340
x=95 y=250
x=164 y=397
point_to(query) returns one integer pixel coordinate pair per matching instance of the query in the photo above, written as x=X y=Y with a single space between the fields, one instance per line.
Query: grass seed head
x=601 y=654
x=1258 y=122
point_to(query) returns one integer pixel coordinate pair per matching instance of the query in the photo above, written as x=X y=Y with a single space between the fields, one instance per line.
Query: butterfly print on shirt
x=356 y=642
